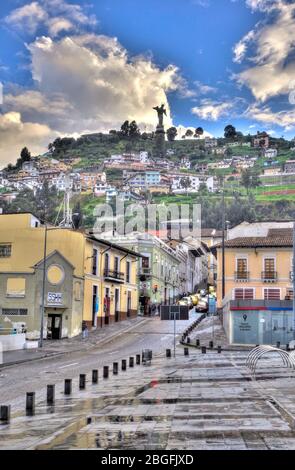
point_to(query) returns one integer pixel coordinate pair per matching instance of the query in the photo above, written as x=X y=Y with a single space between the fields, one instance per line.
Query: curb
x=53 y=354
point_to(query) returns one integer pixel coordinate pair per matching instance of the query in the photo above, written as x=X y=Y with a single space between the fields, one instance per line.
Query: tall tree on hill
x=46 y=202
x=125 y=129
x=25 y=155
x=171 y=134
x=134 y=130
x=230 y=132
x=198 y=132
x=189 y=133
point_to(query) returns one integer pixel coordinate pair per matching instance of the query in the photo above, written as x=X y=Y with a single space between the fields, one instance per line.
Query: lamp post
x=223 y=243
x=293 y=279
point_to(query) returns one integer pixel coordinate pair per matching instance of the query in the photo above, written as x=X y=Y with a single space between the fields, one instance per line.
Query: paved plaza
x=203 y=401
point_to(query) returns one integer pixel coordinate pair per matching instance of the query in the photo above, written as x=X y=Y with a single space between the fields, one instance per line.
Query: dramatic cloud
x=54 y=16
x=14 y=134
x=264 y=114
x=212 y=110
x=99 y=82
x=274 y=46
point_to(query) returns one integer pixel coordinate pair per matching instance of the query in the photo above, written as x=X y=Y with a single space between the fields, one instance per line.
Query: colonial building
x=257 y=307
x=159 y=279
x=85 y=278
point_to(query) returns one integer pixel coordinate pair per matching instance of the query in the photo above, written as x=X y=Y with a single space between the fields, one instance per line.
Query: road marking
x=68 y=365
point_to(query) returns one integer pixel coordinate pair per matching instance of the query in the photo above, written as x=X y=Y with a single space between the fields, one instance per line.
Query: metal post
x=43 y=289
x=82 y=381
x=5 y=413
x=174 y=334
x=293 y=280
x=30 y=402
x=94 y=376
x=223 y=243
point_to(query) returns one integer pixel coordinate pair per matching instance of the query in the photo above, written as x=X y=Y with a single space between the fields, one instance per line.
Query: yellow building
x=257 y=307
x=86 y=278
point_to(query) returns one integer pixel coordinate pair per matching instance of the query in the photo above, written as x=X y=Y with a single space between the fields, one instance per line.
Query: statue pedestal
x=160 y=141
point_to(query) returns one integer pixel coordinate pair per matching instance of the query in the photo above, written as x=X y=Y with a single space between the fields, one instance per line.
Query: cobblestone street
x=200 y=401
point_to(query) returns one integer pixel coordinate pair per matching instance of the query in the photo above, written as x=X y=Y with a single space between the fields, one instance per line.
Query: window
x=244 y=294
x=269 y=265
x=272 y=294
x=128 y=265
x=145 y=262
x=116 y=264
x=94 y=262
x=5 y=251
x=16 y=287
x=289 y=294
x=106 y=262
x=14 y=311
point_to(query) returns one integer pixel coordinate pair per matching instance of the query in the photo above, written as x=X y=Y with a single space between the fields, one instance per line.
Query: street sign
x=174 y=312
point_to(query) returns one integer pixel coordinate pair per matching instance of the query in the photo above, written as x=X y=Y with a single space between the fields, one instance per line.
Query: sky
x=70 y=67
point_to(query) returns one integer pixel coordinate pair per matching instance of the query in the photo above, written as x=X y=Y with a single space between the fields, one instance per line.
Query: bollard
x=68 y=386
x=89 y=420
x=82 y=381
x=50 y=394
x=186 y=351
x=95 y=376
x=168 y=352
x=219 y=349
x=204 y=350
x=124 y=364
x=30 y=402
x=5 y=413
x=115 y=368
x=131 y=361
x=105 y=372
x=138 y=359
x=197 y=343
x=287 y=347
x=211 y=344
x=188 y=340
x=278 y=344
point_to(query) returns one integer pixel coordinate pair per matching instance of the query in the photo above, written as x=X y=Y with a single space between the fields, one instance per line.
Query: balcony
x=144 y=273
x=269 y=276
x=242 y=276
x=114 y=276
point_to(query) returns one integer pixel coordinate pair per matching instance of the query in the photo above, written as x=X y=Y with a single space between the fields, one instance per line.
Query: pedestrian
x=84 y=330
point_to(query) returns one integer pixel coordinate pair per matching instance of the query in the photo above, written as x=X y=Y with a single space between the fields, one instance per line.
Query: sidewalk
x=211 y=329
x=63 y=346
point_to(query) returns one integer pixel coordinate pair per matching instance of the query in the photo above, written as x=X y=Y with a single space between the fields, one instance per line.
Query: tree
x=125 y=129
x=25 y=155
x=134 y=130
x=77 y=215
x=189 y=133
x=185 y=183
x=198 y=132
x=230 y=132
x=250 y=179
x=46 y=200
x=171 y=134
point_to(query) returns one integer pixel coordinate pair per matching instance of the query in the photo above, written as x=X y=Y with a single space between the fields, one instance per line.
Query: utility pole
x=293 y=279
x=43 y=289
x=223 y=242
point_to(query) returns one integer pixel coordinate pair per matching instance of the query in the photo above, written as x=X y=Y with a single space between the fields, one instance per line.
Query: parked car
x=202 y=305
x=186 y=301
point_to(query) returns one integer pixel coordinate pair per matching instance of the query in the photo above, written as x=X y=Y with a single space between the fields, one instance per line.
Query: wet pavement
x=197 y=402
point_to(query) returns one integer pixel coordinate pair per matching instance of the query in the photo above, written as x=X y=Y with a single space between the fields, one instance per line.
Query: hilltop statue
x=159 y=145
x=161 y=111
